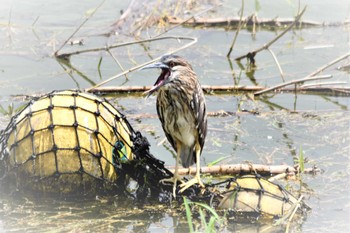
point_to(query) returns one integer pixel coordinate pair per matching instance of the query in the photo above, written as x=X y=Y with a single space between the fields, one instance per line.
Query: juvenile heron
x=182 y=112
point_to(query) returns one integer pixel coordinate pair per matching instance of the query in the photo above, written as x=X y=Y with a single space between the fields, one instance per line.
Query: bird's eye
x=171 y=64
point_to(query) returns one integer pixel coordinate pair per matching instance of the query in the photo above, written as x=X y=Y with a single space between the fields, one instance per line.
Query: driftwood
x=140 y=89
x=220 y=113
x=231 y=88
x=246 y=168
x=248 y=21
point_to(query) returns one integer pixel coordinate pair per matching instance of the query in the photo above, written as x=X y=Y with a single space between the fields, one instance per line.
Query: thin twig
x=78 y=28
x=237 y=31
x=297 y=206
x=194 y=40
x=254 y=18
x=322 y=84
x=319 y=70
x=131 y=59
x=64 y=55
x=117 y=61
x=265 y=46
x=310 y=77
x=293 y=82
x=277 y=63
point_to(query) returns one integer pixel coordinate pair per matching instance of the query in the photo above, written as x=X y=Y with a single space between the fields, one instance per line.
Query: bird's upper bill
x=163 y=77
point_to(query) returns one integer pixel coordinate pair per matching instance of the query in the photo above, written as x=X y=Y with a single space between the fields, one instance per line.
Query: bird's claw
x=173 y=180
x=191 y=182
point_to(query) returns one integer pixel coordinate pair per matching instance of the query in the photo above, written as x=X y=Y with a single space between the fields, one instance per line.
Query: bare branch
x=319 y=70
x=244 y=168
x=293 y=82
x=310 y=77
x=228 y=88
x=266 y=46
x=237 y=31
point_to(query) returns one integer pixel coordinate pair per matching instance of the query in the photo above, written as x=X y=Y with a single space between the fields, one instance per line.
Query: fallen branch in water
x=250 y=20
x=233 y=169
x=293 y=82
x=220 y=113
x=252 y=54
x=140 y=89
x=229 y=88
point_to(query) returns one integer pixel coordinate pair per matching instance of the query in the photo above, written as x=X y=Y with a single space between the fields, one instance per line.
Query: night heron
x=182 y=111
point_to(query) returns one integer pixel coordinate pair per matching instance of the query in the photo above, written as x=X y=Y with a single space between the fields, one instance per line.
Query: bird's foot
x=195 y=180
x=173 y=180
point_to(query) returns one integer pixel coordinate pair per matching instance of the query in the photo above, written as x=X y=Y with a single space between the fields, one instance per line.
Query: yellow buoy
x=252 y=194
x=66 y=142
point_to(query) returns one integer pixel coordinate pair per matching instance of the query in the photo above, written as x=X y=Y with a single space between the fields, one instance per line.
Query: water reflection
x=19 y=214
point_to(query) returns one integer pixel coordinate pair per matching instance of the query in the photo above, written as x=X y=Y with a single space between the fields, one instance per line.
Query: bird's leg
x=176 y=176
x=197 y=178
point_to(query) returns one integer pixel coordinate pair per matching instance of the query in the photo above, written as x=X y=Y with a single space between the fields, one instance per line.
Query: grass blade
x=188 y=214
x=301 y=160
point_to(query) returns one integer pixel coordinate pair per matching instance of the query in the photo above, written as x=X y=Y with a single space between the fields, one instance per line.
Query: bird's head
x=171 y=67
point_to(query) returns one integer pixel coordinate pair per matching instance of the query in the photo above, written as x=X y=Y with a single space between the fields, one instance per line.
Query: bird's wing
x=197 y=104
x=162 y=120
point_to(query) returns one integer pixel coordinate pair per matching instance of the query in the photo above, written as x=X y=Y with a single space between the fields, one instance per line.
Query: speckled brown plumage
x=182 y=111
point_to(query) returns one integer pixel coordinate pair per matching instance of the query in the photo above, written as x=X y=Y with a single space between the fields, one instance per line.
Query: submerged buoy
x=67 y=142
x=254 y=194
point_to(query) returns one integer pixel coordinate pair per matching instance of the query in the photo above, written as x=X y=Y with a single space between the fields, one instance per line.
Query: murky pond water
x=319 y=125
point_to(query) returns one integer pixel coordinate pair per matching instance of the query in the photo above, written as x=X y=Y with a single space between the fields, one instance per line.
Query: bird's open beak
x=162 y=77
x=155 y=65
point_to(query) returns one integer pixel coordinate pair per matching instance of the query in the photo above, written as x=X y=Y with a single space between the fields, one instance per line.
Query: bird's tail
x=188 y=156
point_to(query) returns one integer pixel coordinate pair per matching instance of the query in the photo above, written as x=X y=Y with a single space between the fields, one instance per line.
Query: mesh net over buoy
x=66 y=141
x=257 y=196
